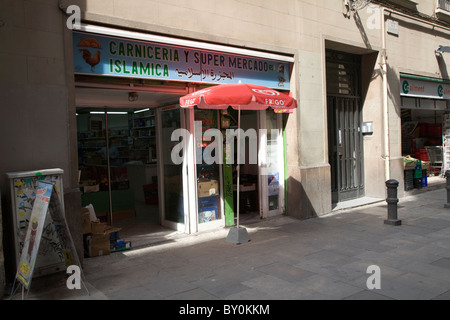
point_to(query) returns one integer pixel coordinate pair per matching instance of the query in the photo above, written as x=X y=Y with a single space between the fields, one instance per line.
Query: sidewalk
x=286 y=259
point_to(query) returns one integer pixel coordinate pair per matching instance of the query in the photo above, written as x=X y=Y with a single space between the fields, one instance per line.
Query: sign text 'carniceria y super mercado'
x=432 y=88
x=110 y=56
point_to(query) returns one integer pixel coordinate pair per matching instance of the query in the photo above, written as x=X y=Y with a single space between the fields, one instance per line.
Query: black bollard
x=447 y=179
x=392 y=201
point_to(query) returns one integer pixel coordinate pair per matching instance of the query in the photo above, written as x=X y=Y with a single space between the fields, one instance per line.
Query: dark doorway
x=345 y=140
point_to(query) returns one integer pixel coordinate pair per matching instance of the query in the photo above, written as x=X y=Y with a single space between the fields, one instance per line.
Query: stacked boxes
x=208 y=200
x=99 y=238
x=207 y=188
x=208 y=208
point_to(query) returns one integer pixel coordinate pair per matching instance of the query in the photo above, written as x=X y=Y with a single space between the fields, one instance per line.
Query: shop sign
x=424 y=89
x=111 y=56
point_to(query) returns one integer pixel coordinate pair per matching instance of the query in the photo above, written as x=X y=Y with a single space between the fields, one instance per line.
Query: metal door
x=345 y=140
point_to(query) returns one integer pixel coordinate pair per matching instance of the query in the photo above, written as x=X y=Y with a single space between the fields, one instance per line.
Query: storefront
x=425 y=119
x=128 y=87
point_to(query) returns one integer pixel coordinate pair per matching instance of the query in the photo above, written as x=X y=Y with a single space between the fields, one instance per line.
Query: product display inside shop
x=117 y=155
x=422 y=146
x=210 y=172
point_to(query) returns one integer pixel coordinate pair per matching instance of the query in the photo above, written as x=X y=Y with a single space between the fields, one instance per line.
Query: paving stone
x=287 y=259
x=430 y=223
x=194 y=294
x=251 y=294
x=220 y=287
x=424 y=283
x=427 y=270
x=328 y=286
x=285 y=271
x=135 y=293
x=265 y=282
x=367 y=295
x=443 y=296
x=370 y=245
x=167 y=286
x=382 y=258
x=444 y=263
x=400 y=291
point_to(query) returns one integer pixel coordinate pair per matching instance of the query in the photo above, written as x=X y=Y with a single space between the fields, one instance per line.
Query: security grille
x=345 y=140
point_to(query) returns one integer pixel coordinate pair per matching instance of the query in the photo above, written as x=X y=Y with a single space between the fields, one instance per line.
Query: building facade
x=367 y=78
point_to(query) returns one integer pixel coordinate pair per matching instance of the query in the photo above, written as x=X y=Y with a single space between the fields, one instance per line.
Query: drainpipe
x=387 y=157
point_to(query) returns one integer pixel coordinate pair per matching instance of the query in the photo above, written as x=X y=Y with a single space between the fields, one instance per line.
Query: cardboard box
x=98 y=245
x=207 y=188
x=409 y=163
x=86 y=221
x=89 y=186
x=98 y=227
x=94 y=188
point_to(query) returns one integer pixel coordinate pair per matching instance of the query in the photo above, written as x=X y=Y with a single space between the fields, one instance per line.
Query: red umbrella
x=239 y=96
x=243 y=95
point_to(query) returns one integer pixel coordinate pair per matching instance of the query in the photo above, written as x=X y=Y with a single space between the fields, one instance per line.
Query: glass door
x=271 y=164
x=208 y=158
x=105 y=144
x=174 y=208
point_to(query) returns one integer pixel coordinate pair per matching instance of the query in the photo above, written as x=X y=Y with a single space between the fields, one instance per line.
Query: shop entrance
x=424 y=138
x=125 y=170
x=216 y=167
x=118 y=162
x=261 y=177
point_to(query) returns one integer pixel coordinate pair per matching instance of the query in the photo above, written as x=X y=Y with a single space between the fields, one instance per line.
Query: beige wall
x=35 y=122
x=34 y=92
x=300 y=28
x=38 y=50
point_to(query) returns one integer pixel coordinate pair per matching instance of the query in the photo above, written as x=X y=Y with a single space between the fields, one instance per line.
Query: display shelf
x=130 y=138
x=143 y=132
x=91 y=152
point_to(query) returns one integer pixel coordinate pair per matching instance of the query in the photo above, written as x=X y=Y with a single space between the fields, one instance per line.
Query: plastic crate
x=409 y=179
